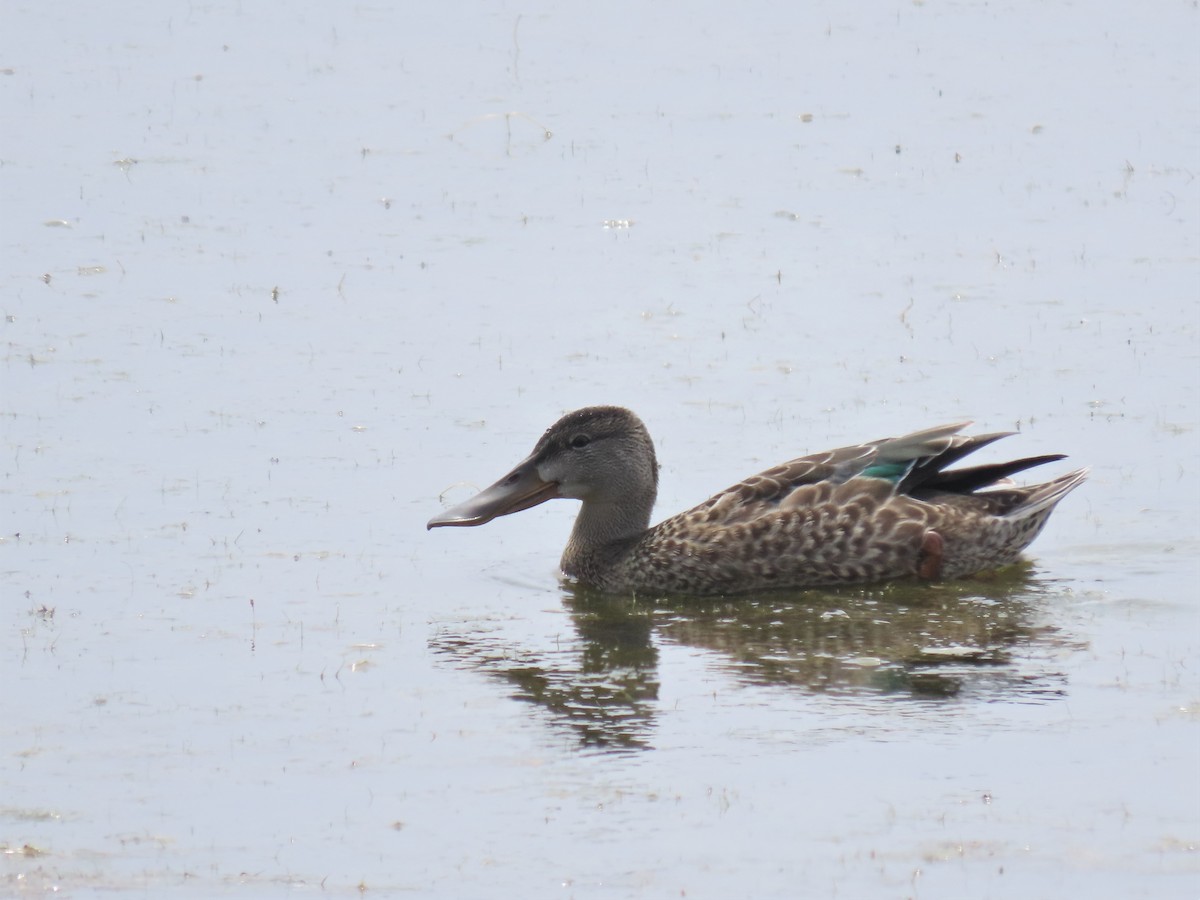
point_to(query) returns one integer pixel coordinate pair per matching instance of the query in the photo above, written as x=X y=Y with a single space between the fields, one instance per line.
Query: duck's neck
x=603 y=532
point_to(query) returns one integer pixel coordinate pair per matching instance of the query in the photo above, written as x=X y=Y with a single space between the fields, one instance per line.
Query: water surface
x=282 y=281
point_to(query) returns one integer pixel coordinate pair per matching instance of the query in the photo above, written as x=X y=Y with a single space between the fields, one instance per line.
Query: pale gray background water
x=276 y=277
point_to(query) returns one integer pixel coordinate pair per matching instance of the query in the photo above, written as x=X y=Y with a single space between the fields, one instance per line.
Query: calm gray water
x=281 y=281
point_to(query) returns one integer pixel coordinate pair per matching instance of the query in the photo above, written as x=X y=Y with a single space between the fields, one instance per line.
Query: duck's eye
x=580 y=441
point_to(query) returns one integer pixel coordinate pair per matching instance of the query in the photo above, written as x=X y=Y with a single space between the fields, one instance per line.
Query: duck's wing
x=902 y=464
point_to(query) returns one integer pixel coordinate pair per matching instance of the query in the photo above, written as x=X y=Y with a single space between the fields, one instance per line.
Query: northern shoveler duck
x=878 y=511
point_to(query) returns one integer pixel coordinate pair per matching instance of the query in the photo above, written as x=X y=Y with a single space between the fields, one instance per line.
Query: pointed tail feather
x=964 y=481
x=1045 y=496
x=920 y=444
x=929 y=471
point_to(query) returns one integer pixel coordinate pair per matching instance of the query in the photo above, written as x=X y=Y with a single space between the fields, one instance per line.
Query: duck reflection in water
x=980 y=640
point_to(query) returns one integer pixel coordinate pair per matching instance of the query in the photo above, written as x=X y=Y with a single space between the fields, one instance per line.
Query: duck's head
x=601 y=455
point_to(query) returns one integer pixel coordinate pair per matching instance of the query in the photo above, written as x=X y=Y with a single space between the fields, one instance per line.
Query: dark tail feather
x=931 y=467
x=965 y=481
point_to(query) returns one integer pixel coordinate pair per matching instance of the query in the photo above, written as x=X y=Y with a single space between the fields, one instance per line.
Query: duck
x=881 y=511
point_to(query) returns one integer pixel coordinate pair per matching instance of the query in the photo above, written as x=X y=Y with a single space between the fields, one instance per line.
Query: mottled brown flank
x=859 y=531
